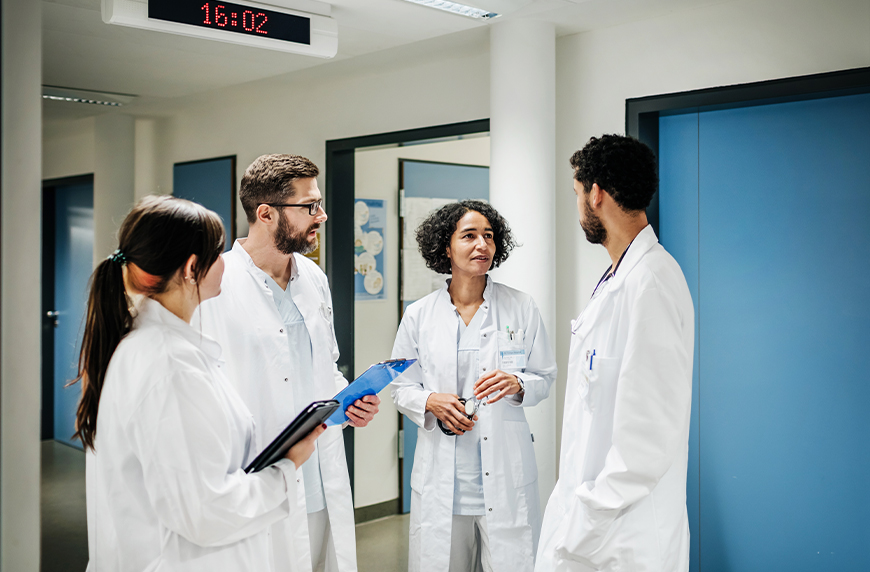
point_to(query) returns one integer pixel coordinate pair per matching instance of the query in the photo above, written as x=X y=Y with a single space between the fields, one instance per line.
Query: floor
x=382 y=545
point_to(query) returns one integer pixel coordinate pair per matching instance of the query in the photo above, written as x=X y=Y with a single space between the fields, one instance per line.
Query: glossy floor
x=382 y=545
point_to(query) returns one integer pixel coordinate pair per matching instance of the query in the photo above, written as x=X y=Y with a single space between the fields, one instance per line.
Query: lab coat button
x=281 y=330
x=490 y=510
x=487 y=474
x=484 y=438
x=286 y=379
x=484 y=335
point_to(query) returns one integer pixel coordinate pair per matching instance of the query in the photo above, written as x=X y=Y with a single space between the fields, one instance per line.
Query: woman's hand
x=496 y=381
x=300 y=452
x=451 y=412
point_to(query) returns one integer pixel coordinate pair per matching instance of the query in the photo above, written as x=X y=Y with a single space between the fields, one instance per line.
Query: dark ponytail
x=155 y=241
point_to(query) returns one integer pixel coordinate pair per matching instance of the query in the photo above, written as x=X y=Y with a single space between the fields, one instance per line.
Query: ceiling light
x=455 y=8
x=56 y=93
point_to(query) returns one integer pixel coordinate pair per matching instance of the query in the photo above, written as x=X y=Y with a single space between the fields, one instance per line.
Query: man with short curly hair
x=620 y=501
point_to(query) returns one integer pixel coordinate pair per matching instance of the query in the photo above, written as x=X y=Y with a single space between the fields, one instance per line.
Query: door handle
x=53 y=315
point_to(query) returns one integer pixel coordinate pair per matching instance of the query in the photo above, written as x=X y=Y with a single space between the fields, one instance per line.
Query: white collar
x=150 y=312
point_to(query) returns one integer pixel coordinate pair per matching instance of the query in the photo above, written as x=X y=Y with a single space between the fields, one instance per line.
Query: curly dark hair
x=620 y=165
x=434 y=233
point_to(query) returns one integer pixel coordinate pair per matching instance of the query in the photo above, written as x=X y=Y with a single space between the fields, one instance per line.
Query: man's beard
x=594 y=229
x=287 y=242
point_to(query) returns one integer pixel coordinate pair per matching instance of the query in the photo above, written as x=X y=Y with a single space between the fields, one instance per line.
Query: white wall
x=376 y=459
x=68 y=148
x=714 y=45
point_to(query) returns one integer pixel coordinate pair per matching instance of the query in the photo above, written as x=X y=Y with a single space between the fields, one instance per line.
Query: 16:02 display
x=250 y=21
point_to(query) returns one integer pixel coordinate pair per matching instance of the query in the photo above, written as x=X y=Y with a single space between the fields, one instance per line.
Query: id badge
x=512 y=359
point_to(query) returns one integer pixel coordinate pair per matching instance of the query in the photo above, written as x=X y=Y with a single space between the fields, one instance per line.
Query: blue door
x=421 y=180
x=766 y=210
x=73 y=264
x=211 y=183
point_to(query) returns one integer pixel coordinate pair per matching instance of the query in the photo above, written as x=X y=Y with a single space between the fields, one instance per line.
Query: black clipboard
x=312 y=416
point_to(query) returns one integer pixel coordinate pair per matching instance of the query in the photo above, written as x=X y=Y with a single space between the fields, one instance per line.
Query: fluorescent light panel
x=455 y=8
x=57 y=93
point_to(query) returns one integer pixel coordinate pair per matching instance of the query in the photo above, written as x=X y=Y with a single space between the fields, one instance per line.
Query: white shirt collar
x=152 y=313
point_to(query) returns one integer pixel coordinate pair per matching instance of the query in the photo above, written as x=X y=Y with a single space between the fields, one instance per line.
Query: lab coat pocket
x=511 y=352
x=521 y=453
x=601 y=380
x=422 y=458
x=601 y=400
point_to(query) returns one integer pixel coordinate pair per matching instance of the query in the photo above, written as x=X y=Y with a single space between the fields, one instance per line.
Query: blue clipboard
x=371 y=382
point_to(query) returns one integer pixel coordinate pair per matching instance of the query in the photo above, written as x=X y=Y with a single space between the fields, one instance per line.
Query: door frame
x=49 y=220
x=339 y=198
x=642 y=113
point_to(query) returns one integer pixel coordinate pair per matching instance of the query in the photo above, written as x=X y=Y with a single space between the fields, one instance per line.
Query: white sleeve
x=540 y=370
x=650 y=423
x=181 y=436
x=407 y=390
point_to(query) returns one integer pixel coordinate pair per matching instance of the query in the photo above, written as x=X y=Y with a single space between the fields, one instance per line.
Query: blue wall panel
x=678 y=224
x=210 y=183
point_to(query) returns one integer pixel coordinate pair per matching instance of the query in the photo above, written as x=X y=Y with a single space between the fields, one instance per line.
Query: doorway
x=68 y=260
x=376 y=477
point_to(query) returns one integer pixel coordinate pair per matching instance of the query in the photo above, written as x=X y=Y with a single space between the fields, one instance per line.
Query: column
x=522 y=186
x=20 y=292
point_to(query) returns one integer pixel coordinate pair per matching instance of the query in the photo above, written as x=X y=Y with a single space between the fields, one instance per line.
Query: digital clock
x=295 y=26
x=233 y=18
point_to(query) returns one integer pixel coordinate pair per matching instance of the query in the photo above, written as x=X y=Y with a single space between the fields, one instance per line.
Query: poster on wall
x=369 y=226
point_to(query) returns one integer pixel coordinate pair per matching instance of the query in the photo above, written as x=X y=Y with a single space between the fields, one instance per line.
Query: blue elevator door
x=778 y=206
x=73 y=264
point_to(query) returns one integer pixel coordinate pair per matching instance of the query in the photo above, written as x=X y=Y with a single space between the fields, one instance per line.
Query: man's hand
x=450 y=411
x=363 y=410
x=496 y=381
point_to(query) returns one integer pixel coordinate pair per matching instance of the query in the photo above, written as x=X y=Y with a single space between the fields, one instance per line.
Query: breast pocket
x=511 y=352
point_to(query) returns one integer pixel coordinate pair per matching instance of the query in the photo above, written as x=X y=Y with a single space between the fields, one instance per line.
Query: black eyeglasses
x=313 y=208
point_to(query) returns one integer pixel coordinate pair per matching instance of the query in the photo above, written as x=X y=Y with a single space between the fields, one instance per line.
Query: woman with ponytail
x=166 y=434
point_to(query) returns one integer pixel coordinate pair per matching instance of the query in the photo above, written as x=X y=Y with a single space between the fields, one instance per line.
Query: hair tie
x=118 y=257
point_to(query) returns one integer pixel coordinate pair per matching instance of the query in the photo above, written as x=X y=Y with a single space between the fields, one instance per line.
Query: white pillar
x=522 y=186
x=20 y=292
x=114 y=179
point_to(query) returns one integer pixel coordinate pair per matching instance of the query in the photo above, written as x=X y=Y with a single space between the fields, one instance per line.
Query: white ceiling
x=80 y=51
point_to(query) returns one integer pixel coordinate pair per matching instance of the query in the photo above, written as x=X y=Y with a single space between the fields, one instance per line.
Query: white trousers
x=469 y=545
x=322 y=545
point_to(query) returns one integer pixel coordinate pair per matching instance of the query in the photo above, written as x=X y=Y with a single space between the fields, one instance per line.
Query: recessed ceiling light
x=456 y=8
x=57 y=93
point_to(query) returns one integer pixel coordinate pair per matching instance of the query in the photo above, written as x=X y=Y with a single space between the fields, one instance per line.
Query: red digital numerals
x=250 y=21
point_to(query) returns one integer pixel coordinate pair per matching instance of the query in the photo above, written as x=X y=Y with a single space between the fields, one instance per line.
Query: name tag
x=512 y=359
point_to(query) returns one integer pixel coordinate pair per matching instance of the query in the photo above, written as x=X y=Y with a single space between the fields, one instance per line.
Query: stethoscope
x=471 y=404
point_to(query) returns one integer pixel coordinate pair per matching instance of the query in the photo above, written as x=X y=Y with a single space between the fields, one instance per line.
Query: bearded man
x=274 y=321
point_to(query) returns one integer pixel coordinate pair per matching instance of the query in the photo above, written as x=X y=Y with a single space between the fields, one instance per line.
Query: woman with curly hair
x=484 y=356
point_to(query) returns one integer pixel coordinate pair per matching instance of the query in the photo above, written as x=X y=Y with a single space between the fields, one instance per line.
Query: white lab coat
x=166 y=489
x=620 y=501
x=428 y=332
x=246 y=322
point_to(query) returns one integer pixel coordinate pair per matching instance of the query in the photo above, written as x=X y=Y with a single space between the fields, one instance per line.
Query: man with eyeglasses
x=274 y=322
